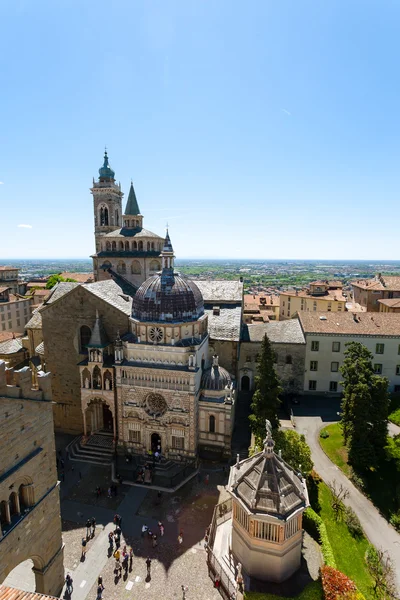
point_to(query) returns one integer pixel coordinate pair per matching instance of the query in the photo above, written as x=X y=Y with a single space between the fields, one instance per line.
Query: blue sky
x=257 y=129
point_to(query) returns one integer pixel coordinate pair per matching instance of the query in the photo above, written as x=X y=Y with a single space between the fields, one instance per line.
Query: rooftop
x=11 y=346
x=367 y=323
x=8 y=268
x=109 y=291
x=220 y=290
x=330 y=295
x=380 y=282
x=278 y=332
x=10 y=593
x=79 y=277
x=129 y=232
x=226 y=324
x=4 y=289
x=260 y=301
x=35 y=322
x=390 y=302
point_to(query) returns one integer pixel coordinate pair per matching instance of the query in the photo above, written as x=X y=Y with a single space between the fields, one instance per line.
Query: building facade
x=30 y=522
x=289 y=346
x=368 y=292
x=326 y=336
x=15 y=311
x=261 y=309
x=318 y=296
x=9 y=278
x=123 y=247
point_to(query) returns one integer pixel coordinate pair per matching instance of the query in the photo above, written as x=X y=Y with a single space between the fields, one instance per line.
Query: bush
x=357 y=481
x=395 y=417
x=313 y=481
x=324 y=434
x=336 y=585
x=353 y=522
x=315 y=527
x=395 y=520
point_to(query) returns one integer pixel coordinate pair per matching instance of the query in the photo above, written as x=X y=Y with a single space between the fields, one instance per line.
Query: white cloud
x=25 y=226
x=286 y=112
x=1 y=182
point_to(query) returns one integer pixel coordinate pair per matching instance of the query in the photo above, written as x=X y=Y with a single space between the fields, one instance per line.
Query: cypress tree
x=365 y=408
x=265 y=401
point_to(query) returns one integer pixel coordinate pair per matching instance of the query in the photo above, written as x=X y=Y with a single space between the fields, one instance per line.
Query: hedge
x=315 y=527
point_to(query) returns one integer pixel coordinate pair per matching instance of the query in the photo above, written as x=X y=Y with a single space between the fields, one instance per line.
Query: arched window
x=135 y=267
x=114 y=245
x=148 y=246
x=108 y=246
x=86 y=379
x=152 y=246
x=121 y=245
x=121 y=267
x=127 y=246
x=106 y=265
x=4 y=513
x=116 y=218
x=155 y=265
x=288 y=359
x=140 y=246
x=104 y=215
x=211 y=424
x=107 y=380
x=84 y=338
x=135 y=245
x=97 y=378
x=25 y=495
x=14 y=504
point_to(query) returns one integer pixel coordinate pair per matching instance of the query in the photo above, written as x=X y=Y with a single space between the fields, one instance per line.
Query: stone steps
x=87 y=453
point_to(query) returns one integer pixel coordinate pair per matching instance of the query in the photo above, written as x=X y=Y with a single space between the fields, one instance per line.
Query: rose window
x=156 y=334
x=155 y=404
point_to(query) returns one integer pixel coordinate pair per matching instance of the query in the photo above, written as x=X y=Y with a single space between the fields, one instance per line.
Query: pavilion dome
x=168 y=297
x=215 y=378
x=105 y=172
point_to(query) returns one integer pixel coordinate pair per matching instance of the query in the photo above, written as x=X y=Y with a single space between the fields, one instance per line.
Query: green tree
x=295 y=450
x=265 y=401
x=365 y=408
x=54 y=279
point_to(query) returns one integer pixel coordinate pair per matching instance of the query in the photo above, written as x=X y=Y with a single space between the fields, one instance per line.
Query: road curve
x=380 y=533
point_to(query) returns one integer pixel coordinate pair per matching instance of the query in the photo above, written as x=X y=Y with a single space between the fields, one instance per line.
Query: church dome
x=105 y=172
x=216 y=378
x=168 y=297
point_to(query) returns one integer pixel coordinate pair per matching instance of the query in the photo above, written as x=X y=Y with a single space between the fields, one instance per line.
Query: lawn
x=312 y=592
x=380 y=485
x=349 y=552
x=394 y=408
x=333 y=446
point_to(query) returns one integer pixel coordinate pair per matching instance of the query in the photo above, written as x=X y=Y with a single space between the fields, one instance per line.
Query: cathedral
x=134 y=355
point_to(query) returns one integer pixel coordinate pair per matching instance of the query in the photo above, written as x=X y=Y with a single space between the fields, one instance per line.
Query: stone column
x=17 y=505
x=84 y=422
x=8 y=513
x=114 y=426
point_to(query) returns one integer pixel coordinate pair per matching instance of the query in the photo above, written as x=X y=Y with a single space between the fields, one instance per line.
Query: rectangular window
x=314 y=346
x=3 y=317
x=312 y=385
x=134 y=436
x=329 y=307
x=334 y=367
x=398 y=370
x=3 y=326
x=313 y=365
x=283 y=303
x=335 y=346
x=17 y=313
x=378 y=369
x=288 y=313
x=18 y=323
x=380 y=348
x=9 y=316
x=333 y=386
x=314 y=306
x=9 y=325
x=339 y=307
x=397 y=388
x=178 y=442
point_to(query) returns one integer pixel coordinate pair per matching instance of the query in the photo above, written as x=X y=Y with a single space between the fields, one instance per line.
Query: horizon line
x=224 y=258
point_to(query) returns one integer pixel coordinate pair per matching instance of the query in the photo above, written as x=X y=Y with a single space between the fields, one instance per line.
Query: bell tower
x=107 y=202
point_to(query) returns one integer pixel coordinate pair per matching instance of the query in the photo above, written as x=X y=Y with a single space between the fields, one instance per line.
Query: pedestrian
x=84 y=542
x=207 y=479
x=117 y=554
x=130 y=558
x=144 y=529
x=111 y=540
x=115 y=519
x=88 y=527
x=154 y=540
x=68 y=583
x=184 y=590
x=119 y=521
x=118 y=568
x=93 y=523
x=180 y=537
x=161 y=527
x=148 y=564
x=100 y=580
x=125 y=562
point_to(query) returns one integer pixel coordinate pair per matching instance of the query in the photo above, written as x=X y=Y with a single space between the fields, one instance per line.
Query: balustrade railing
x=155 y=384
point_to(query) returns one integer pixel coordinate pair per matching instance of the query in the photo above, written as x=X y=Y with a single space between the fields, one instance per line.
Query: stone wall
x=61 y=329
x=29 y=493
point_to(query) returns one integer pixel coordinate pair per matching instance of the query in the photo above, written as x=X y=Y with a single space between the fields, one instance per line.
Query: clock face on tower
x=156 y=334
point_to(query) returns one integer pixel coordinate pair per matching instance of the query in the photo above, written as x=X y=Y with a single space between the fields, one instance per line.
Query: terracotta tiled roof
x=329 y=296
x=38 y=284
x=369 y=323
x=79 y=277
x=390 y=283
x=3 y=289
x=254 y=300
x=391 y=302
x=9 y=593
x=8 y=335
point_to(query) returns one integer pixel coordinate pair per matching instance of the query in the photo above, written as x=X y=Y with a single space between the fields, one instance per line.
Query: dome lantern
x=105 y=172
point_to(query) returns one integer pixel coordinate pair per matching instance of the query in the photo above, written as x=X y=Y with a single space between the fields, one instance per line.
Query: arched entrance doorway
x=155 y=442
x=98 y=418
x=245 y=383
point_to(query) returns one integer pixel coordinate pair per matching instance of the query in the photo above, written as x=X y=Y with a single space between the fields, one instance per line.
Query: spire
x=167 y=244
x=132 y=207
x=167 y=256
x=105 y=172
x=98 y=339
